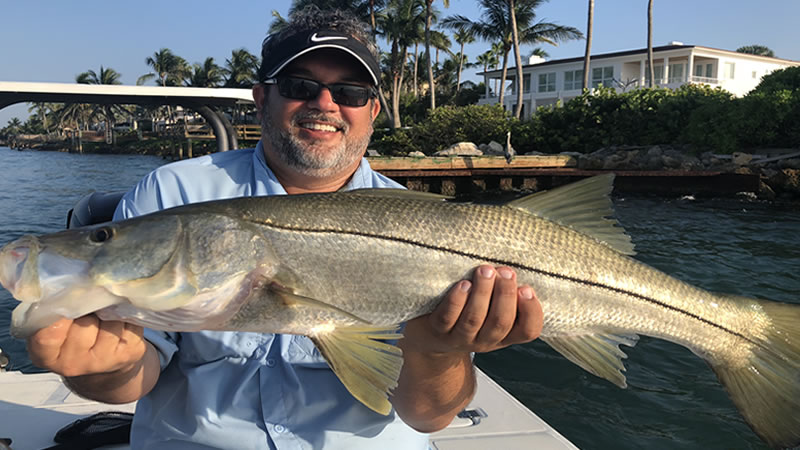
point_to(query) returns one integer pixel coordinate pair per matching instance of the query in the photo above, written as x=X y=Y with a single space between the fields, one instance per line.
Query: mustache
x=311 y=115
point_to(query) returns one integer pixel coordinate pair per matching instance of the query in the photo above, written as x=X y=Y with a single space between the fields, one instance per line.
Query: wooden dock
x=474 y=174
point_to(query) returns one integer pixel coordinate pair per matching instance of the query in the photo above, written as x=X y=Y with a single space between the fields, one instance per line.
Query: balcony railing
x=704 y=80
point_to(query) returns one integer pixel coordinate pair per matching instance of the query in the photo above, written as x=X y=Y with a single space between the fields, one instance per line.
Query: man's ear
x=376 y=108
x=259 y=94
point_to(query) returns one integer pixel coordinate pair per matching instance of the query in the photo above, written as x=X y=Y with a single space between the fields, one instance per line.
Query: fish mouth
x=13 y=260
x=32 y=274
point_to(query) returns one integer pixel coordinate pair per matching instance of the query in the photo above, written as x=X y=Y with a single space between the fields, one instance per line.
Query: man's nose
x=323 y=101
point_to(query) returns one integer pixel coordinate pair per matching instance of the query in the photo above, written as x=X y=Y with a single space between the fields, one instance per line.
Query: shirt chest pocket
x=300 y=350
x=207 y=346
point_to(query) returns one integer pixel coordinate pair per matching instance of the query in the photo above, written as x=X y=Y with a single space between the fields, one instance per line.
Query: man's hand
x=86 y=346
x=489 y=313
x=102 y=360
x=437 y=380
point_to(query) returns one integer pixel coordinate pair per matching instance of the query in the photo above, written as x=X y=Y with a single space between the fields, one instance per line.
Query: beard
x=309 y=158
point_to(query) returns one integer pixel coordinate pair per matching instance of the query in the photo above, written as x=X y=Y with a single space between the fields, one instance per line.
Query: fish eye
x=101 y=234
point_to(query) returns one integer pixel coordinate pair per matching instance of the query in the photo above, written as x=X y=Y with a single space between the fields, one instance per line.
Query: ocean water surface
x=673 y=400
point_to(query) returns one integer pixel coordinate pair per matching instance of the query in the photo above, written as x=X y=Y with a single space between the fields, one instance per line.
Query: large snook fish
x=346 y=268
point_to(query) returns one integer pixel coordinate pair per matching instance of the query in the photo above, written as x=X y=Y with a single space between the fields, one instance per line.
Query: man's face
x=317 y=137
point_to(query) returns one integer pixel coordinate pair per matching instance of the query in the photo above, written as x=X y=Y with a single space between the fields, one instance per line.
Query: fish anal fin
x=368 y=367
x=598 y=354
x=583 y=206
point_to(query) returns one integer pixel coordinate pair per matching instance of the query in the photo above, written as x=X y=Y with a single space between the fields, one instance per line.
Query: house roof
x=662 y=48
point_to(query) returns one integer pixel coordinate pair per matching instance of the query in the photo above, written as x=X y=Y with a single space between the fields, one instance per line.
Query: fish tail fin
x=766 y=389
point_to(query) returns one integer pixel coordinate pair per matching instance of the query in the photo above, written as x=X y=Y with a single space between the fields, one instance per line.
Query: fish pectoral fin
x=292 y=299
x=367 y=367
x=598 y=354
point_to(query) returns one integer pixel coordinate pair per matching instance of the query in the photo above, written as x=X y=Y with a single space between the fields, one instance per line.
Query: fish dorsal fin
x=400 y=194
x=583 y=206
x=367 y=367
x=598 y=354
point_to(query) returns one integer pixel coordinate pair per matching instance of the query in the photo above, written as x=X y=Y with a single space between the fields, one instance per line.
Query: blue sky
x=54 y=40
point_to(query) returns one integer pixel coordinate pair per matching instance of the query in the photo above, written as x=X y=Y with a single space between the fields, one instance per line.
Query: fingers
x=474 y=313
x=44 y=346
x=86 y=345
x=503 y=310
x=530 y=318
x=488 y=313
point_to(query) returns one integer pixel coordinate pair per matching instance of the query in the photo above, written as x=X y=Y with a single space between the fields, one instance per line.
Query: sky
x=55 y=40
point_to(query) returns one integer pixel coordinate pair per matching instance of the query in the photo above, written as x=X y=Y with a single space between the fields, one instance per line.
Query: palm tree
x=402 y=22
x=759 y=50
x=462 y=36
x=13 y=126
x=168 y=68
x=428 y=20
x=496 y=26
x=42 y=110
x=105 y=76
x=208 y=74
x=440 y=41
x=278 y=22
x=588 y=55
x=241 y=69
x=650 y=68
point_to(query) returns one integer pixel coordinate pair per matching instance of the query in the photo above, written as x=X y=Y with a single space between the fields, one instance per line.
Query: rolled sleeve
x=165 y=343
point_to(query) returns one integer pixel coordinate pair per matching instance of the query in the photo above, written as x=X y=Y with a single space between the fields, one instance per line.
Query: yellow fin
x=583 y=206
x=598 y=354
x=367 y=367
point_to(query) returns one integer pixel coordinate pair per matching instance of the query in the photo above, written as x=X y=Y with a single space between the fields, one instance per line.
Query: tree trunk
x=431 y=82
x=396 y=70
x=517 y=57
x=588 y=55
x=460 y=68
x=502 y=89
x=416 y=64
x=650 y=67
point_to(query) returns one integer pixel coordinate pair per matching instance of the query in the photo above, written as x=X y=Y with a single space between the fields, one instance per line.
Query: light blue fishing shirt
x=247 y=390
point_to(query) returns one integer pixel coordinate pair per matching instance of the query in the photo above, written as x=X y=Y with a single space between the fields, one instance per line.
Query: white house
x=549 y=82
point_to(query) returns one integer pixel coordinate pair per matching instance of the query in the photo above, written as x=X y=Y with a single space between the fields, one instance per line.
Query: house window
x=526 y=83
x=547 y=82
x=658 y=72
x=709 y=70
x=730 y=69
x=675 y=73
x=573 y=79
x=604 y=76
x=755 y=74
x=698 y=70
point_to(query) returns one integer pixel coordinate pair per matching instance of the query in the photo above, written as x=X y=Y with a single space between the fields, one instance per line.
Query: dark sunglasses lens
x=343 y=94
x=350 y=95
x=298 y=88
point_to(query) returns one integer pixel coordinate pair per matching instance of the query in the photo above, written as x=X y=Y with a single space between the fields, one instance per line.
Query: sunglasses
x=305 y=89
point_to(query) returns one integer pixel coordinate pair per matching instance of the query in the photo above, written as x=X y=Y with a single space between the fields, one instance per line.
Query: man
x=316 y=102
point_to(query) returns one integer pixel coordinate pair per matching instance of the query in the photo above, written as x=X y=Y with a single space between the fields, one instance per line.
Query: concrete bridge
x=202 y=100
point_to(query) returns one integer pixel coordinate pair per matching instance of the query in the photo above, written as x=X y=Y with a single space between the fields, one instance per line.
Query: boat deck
x=34 y=406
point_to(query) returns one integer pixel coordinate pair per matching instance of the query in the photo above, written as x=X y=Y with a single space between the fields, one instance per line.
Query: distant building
x=549 y=82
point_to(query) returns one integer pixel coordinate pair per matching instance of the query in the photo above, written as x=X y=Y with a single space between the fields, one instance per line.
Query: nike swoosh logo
x=315 y=38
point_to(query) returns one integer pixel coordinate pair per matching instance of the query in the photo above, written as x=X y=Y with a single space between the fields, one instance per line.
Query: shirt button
x=271 y=363
x=280 y=428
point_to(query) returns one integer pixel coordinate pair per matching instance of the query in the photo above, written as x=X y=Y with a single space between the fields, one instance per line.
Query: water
x=673 y=399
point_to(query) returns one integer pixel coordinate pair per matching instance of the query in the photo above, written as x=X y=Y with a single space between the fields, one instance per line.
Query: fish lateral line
x=515 y=265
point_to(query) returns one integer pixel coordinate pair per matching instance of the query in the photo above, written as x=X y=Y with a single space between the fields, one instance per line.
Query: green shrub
x=450 y=124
